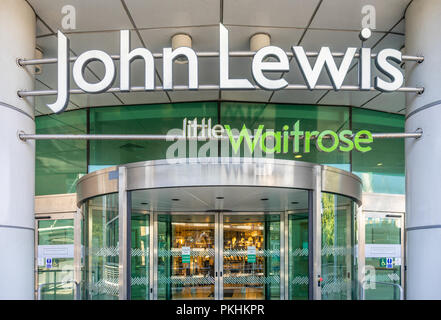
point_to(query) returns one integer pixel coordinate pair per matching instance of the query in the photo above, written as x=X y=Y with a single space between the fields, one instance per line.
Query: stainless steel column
x=317 y=234
x=124 y=236
x=423 y=155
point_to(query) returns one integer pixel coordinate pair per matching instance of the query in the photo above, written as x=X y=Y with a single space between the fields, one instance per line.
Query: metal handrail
x=363 y=294
x=26 y=136
x=214 y=54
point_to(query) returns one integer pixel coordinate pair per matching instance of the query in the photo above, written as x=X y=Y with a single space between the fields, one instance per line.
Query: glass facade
x=101 y=256
x=382 y=168
x=55 y=279
x=187 y=249
x=339 y=265
x=180 y=276
x=59 y=163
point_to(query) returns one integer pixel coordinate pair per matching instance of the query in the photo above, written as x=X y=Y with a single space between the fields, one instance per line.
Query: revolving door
x=219 y=228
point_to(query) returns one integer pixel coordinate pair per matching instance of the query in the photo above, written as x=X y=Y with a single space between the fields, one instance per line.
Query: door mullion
x=220 y=255
x=216 y=256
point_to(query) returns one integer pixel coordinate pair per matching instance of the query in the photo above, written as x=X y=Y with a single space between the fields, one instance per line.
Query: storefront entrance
x=217 y=256
x=219 y=229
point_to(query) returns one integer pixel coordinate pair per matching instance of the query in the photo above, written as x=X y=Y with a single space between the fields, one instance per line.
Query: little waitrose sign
x=390 y=78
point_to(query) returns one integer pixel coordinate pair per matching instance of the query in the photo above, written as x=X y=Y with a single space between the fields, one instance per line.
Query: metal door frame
x=393 y=215
x=192 y=172
x=46 y=217
x=154 y=247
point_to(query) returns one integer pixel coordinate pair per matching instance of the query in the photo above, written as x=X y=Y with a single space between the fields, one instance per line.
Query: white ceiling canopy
x=310 y=23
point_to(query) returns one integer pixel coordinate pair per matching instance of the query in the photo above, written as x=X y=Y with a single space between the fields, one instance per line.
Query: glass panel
x=60 y=163
x=382 y=168
x=338 y=242
x=101 y=248
x=164 y=257
x=251 y=257
x=298 y=256
x=140 y=255
x=383 y=232
x=273 y=116
x=55 y=279
x=190 y=258
x=141 y=119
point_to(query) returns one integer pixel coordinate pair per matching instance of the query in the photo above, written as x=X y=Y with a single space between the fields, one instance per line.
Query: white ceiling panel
x=390 y=41
x=203 y=38
x=389 y=102
x=282 y=13
x=42 y=29
x=246 y=95
x=344 y=14
x=91 y=15
x=143 y=97
x=297 y=96
x=208 y=198
x=239 y=37
x=182 y=96
x=335 y=40
x=172 y=13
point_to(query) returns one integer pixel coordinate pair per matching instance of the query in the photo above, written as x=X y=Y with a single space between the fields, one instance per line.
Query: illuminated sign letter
x=259 y=66
x=225 y=82
x=168 y=58
x=128 y=56
x=392 y=72
x=63 y=75
x=324 y=58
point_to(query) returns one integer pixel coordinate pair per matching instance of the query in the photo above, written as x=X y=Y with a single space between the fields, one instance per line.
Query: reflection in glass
x=140 y=255
x=298 y=256
x=251 y=257
x=101 y=248
x=56 y=282
x=338 y=242
x=186 y=257
x=382 y=230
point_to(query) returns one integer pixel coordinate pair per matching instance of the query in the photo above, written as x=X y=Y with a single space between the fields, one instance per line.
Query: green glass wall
x=144 y=119
x=276 y=116
x=382 y=168
x=60 y=163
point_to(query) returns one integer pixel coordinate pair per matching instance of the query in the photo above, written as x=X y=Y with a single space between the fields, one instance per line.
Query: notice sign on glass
x=251 y=252
x=185 y=254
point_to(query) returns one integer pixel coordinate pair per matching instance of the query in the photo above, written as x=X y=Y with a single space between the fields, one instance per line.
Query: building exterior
x=128 y=171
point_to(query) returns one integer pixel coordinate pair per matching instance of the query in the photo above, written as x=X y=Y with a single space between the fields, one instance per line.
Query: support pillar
x=17 y=158
x=423 y=155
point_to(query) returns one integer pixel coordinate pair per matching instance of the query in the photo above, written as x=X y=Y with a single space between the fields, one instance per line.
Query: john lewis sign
x=390 y=78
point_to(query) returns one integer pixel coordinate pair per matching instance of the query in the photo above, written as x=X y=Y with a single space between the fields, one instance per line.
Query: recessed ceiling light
x=379 y=164
x=298 y=156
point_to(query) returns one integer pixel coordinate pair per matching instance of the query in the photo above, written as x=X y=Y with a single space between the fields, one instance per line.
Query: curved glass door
x=251 y=256
x=186 y=257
